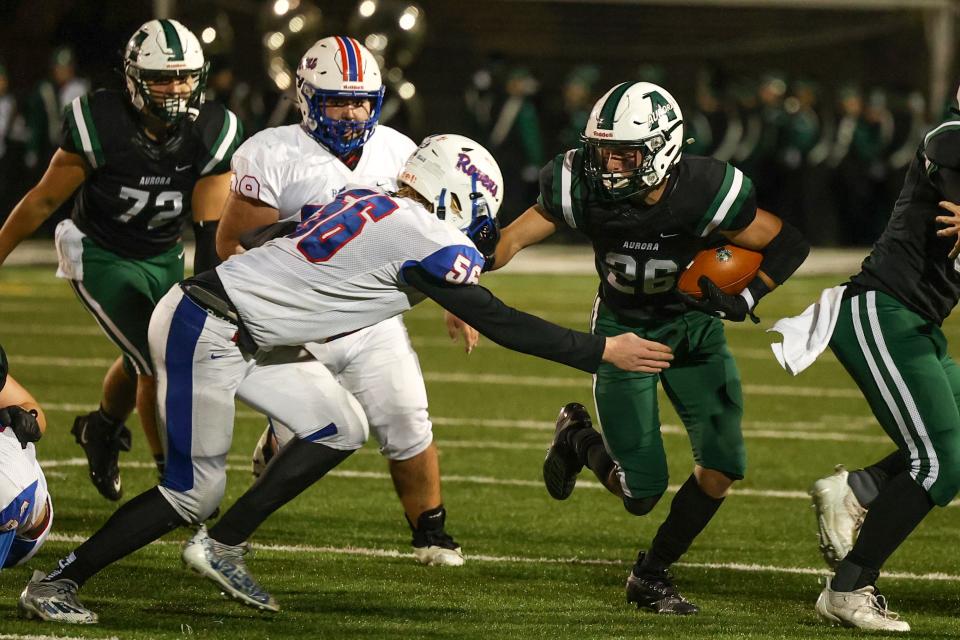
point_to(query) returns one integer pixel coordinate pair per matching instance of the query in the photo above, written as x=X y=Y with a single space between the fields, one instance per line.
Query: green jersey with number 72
x=137 y=197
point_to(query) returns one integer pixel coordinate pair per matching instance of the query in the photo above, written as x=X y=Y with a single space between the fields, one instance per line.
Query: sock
x=107 y=418
x=134 y=525
x=690 y=512
x=899 y=508
x=866 y=483
x=297 y=466
x=592 y=453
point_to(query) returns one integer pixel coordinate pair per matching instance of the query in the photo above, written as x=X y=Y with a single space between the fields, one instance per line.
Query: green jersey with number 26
x=641 y=249
x=137 y=197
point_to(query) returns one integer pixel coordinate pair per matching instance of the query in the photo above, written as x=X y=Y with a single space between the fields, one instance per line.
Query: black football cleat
x=654 y=590
x=102 y=441
x=562 y=464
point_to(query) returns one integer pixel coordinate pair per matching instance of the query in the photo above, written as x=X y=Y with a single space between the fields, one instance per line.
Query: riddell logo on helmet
x=353 y=85
x=602 y=134
x=465 y=165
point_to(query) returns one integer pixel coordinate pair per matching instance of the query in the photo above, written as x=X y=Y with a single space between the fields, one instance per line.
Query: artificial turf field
x=337 y=559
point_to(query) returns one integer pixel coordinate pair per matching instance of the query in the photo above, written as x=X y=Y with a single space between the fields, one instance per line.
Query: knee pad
x=402 y=437
x=640 y=506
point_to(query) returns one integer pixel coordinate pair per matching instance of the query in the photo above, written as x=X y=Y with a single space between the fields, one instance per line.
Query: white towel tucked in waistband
x=807 y=335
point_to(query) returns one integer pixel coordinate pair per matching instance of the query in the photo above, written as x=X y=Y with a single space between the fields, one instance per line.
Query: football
x=730 y=267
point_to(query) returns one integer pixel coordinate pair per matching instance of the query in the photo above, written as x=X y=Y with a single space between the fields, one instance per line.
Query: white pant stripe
x=881 y=385
x=904 y=391
x=115 y=335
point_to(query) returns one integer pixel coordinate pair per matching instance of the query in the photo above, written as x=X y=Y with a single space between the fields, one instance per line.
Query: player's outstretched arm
x=533 y=226
x=241 y=214
x=529 y=334
x=64 y=175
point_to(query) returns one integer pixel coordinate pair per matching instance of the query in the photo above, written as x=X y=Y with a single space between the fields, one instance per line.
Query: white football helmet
x=159 y=52
x=458 y=177
x=343 y=68
x=638 y=126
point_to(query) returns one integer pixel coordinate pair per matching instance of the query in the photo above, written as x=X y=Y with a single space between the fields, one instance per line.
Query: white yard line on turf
x=747 y=492
x=491 y=378
x=761 y=430
x=17 y=636
x=390 y=553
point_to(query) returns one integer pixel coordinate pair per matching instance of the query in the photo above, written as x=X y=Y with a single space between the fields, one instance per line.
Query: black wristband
x=754 y=291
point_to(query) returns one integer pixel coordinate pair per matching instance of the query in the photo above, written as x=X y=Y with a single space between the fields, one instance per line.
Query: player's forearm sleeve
x=205 y=257
x=510 y=327
x=785 y=253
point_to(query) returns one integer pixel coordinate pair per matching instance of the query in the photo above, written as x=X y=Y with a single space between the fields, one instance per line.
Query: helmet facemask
x=338 y=135
x=635 y=176
x=167 y=106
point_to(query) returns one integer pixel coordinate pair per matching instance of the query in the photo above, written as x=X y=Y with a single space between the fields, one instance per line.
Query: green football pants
x=121 y=293
x=703 y=385
x=900 y=362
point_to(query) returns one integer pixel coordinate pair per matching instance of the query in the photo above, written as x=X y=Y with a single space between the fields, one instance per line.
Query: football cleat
x=864 y=608
x=839 y=515
x=432 y=545
x=561 y=466
x=102 y=442
x=53 y=601
x=223 y=564
x=265 y=450
x=654 y=590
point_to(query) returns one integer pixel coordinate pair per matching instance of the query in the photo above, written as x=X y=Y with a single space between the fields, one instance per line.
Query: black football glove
x=715 y=302
x=23 y=423
x=485 y=233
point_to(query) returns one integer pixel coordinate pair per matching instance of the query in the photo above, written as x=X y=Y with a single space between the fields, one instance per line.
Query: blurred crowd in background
x=830 y=158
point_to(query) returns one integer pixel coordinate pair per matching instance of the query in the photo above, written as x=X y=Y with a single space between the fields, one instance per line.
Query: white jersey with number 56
x=340 y=271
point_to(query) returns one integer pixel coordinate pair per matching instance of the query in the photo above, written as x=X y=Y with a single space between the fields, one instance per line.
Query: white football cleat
x=839 y=515
x=224 y=565
x=54 y=601
x=435 y=556
x=863 y=609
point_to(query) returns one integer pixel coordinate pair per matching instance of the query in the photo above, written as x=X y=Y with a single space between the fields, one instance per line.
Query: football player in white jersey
x=366 y=256
x=279 y=171
x=26 y=512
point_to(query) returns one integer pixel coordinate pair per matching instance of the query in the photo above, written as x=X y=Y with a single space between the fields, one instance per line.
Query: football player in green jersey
x=647 y=209
x=144 y=161
x=887 y=335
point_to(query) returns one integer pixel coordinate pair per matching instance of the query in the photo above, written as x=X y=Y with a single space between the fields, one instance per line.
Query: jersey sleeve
x=941 y=147
x=220 y=135
x=79 y=133
x=733 y=205
x=456 y=264
x=254 y=175
x=563 y=189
